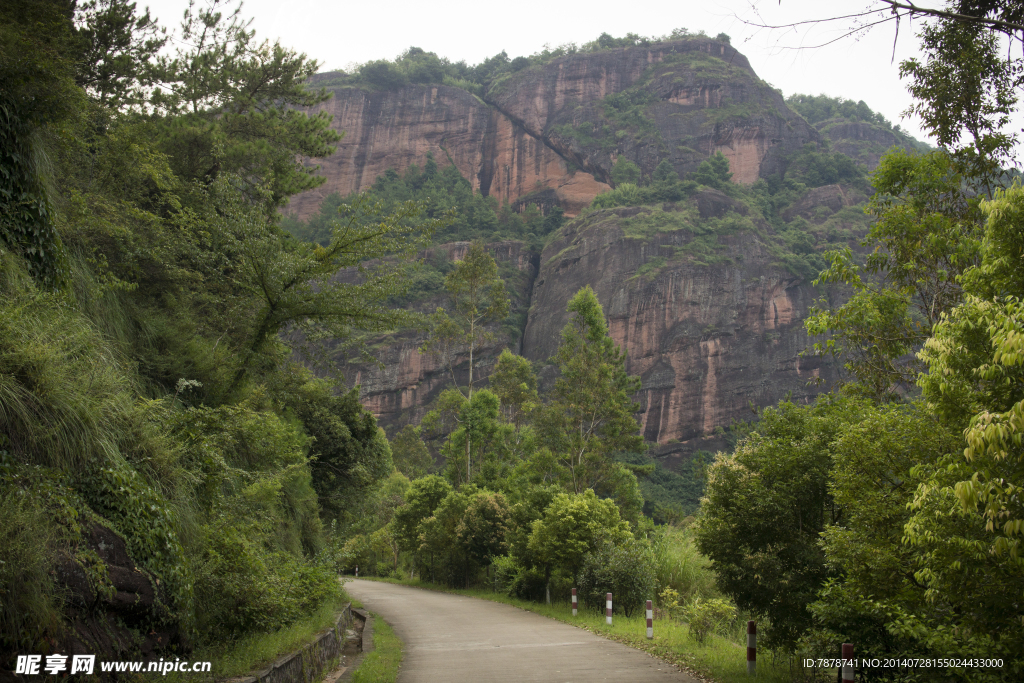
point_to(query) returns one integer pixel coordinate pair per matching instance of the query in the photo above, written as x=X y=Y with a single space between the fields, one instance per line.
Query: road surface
x=451 y=638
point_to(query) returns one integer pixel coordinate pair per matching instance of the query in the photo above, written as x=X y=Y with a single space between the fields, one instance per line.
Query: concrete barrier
x=311 y=663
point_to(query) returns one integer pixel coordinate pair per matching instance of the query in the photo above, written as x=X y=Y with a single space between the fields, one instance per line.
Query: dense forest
x=174 y=427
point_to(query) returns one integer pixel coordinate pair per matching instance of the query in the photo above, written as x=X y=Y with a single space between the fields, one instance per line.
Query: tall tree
x=589 y=414
x=225 y=103
x=478 y=297
x=927 y=235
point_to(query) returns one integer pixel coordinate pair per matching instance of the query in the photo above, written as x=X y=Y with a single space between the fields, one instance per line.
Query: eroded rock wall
x=547 y=128
x=396 y=128
x=707 y=340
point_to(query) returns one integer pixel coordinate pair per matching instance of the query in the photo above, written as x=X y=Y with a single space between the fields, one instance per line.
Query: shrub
x=624 y=569
x=707 y=616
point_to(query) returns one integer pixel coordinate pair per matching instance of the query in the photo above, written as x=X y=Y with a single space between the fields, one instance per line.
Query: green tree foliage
x=410 y=454
x=624 y=568
x=966 y=89
x=588 y=414
x=572 y=526
x=713 y=172
x=484 y=527
x=422 y=499
x=146 y=389
x=117 y=52
x=968 y=520
x=927 y=234
x=874 y=472
x=478 y=297
x=37 y=101
x=439 y=189
x=625 y=171
x=350 y=453
x=224 y=103
x=764 y=509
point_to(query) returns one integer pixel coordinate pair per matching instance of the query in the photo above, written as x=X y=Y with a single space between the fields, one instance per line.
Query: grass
x=721 y=659
x=381 y=664
x=256 y=651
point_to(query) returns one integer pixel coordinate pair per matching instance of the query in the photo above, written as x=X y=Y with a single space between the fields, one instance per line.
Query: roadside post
x=574 y=602
x=608 y=609
x=847 y=662
x=650 y=620
x=751 y=648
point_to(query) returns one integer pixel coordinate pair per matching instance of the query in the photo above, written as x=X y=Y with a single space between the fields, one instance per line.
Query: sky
x=340 y=33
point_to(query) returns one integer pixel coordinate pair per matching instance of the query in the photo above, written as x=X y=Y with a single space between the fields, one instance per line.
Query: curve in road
x=455 y=638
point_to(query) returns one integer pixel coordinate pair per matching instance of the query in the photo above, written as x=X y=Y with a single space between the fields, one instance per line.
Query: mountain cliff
x=561 y=126
x=706 y=292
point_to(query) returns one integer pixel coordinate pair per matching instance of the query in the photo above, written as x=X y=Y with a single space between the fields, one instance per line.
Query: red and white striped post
x=574 y=602
x=751 y=648
x=847 y=662
x=357 y=571
x=608 y=609
x=650 y=620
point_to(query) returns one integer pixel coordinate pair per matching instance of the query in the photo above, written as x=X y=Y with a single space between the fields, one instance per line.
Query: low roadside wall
x=311 y=663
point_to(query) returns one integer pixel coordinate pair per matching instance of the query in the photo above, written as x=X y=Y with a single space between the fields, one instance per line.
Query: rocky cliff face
x=707 y=338
x=396 y=128
x=694 y=291
x=711 y=326
x=561 y=126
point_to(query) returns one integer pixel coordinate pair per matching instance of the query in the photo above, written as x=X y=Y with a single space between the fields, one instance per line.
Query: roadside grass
x=381 y=664
x=721 y=659
x=254 y=652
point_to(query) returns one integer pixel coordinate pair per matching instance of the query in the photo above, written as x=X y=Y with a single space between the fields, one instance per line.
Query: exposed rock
x=865 y=142
x=699 y=97
x=393 y=129
x=707 y=341
x=113 y=617
x=818 y=204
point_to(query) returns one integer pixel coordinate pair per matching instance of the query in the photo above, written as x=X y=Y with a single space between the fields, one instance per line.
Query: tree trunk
x=469 y=464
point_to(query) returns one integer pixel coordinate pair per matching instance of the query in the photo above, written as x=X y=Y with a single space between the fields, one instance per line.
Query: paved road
x=451 y=638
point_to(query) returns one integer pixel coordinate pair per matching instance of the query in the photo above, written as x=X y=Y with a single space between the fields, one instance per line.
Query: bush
x=625 y=569
x=708 y=616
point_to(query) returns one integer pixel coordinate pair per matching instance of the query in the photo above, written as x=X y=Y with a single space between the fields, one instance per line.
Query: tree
x=478 y=297
x=484 y=528
x=410 y=454
x=350 y=453
x=625 y=171
x=117 y=48
x=421 y=500
x=875 y=465
x=713 y=172
x=589 y=413
x=318 y=292
x=969 y=517
x=573 y=526
x=764 y=509
x=226 y=104
x=928 y=234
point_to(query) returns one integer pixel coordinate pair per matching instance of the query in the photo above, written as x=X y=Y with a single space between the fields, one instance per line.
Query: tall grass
x=680 y=565
x=29 y=602
x=64 y=398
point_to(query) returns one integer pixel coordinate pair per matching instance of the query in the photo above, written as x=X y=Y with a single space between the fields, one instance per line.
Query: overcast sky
x=339 y=33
